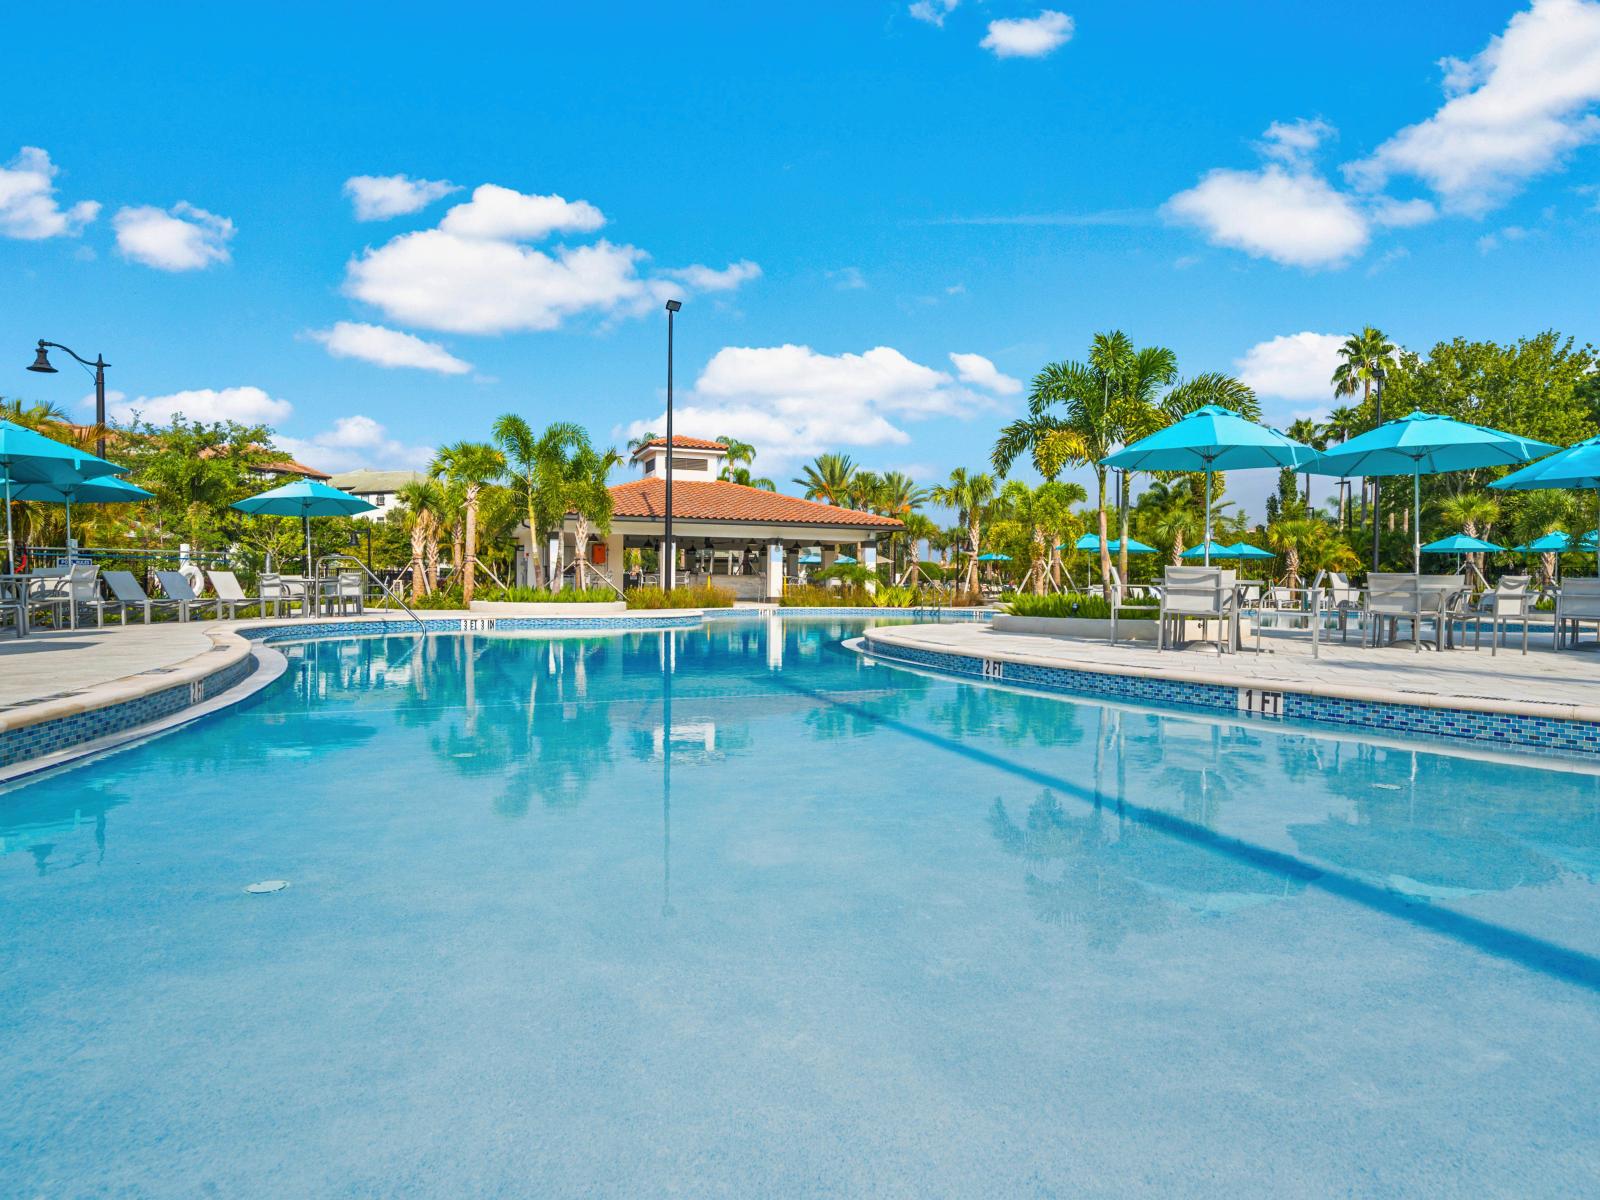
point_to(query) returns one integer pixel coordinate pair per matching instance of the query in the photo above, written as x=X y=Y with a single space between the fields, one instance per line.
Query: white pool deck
x=1543 y=682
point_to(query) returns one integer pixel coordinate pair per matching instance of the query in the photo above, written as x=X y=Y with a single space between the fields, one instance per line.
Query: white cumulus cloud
x=246 y=405
x=379 y=197
x=29 y=209
x=1515 y=110
x=933 y=11
x=708 y=279
x=1292 y=366
x=475 y=272
x=183 y=238
x=1028 y=37
x=501 y=212
x=388 y=348
x=352 y=442
x=1291 y=216
x=792 y=402
x=980 y=372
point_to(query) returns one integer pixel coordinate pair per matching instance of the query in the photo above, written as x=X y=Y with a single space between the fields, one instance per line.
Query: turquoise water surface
x=735 y=912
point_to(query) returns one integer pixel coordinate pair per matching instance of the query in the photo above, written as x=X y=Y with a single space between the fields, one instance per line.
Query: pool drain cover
x=266 y=885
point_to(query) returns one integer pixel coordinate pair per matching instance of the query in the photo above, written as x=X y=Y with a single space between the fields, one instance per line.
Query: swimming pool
x=828 y=928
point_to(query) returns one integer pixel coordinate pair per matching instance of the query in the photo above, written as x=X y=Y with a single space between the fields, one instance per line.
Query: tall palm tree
x=422 y=501
x=738 y=453
x=900 y=497
x=1343 y=423
x=1308 y=433
x=1287 y=536
x=644 y=439
x=473 y=466
x=590 y=499
x=866 y=491
x=827 y=478
x=969 y=495
x=919 y=527
x=1365 y=359
x=1172 y=515
x=536 y=466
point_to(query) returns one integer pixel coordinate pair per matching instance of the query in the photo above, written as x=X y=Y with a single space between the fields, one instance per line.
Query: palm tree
x=1343 y=423
x=827 y=478
x=1173 y=514
x=473 y=466
x=422 y=501
x=536 y=468
x=899 y=497
x=919 y=527
x=1474 y=513
x=1070 y=422
x=865 y=491
x=742 y=476
x=1287 y=535
x=644 y=439
x=1366 y=359
x=969 y=495
x=590 y=500
x=1308 y=433
x=738 y=453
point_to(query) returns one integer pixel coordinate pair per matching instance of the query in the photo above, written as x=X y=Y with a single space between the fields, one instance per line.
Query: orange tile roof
x=679 y=442
x=288 y=466
x=720 y=500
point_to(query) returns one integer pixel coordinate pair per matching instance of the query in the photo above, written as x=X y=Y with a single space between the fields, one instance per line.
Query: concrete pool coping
x=1541 y=700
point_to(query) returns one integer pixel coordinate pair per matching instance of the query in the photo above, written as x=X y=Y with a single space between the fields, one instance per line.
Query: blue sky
x=845 y=195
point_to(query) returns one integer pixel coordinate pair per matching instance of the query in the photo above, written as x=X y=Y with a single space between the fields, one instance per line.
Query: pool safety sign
x=477 y=624
x=1260 y=703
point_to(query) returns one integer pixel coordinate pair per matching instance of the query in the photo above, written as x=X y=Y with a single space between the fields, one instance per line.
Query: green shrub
x=527 y=595
x=704 y=596
x=1089 y=605
x=806 y=595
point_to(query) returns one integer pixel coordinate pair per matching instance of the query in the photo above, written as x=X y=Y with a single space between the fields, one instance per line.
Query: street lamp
x=41 y=364
x=669 y=570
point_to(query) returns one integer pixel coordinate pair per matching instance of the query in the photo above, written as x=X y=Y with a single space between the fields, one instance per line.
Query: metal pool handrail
x=382 y=587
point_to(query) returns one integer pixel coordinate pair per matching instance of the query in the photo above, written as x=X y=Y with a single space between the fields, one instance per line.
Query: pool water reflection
x=734 y=910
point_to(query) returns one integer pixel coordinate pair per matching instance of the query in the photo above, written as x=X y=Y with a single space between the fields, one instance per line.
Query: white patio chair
x=1577 y=604
x=275 y=591
x=176 y=587
x=1509 y=602
x=1199 y=594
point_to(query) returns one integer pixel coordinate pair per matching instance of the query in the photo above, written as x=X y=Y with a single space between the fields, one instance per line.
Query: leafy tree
x=590 y=499
x=196 y=470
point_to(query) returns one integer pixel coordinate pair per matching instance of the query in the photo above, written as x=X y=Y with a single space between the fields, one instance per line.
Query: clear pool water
x=862 y=932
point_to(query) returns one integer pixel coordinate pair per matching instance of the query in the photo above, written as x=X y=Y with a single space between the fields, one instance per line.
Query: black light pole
x=41 y=363
x=669 y=569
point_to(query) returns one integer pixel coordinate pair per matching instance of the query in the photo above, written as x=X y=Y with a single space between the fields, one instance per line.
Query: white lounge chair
x=127 y=593
x=176 y=586
x=231 y=595
x=1577 y=604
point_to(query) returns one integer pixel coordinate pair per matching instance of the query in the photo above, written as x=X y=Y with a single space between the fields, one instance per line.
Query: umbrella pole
x=11 y=546
x=69 y=531
x=1416 y=519
x=1208 y=518
x=306 y=518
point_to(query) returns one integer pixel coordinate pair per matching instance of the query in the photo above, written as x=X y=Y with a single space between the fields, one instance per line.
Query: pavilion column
x=553 y=563
x=616 y=558
x=775 y=570
x=829 y=554
x=867 y=556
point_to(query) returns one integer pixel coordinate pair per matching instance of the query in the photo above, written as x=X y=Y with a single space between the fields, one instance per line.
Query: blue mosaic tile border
x=49 y=737
x=1497 y=729
x=936 y=614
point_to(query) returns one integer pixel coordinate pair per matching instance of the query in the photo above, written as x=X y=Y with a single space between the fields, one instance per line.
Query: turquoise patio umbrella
x=1246 y=550
x=29 y=457
x=1208 y=551
x=1460 y=543
x=108 y=489
x=994 y=558
x=304 y=498
x=1211 y=439
x=1091 y=543
x=845 y=558
x=809 y=560
x=1557 y=541
x=1575 y=467
x=1419 y=444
